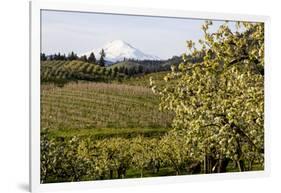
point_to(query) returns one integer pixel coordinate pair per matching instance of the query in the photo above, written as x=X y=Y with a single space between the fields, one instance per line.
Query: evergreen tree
x=92 y=58
x=121 y=69
x=126 y=71
x=43 y=57
x=72 y=56
x=140 y=69
x=63 y=57
x=132 y=71
x=102 y=56
x=55 y=56
x=58 y=56
x=84 y=58
x=110 y=72
x=115 y=71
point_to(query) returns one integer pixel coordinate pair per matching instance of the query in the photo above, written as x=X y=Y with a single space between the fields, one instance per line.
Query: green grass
x=99 y=133
x=165 y=171
x=168 y=171
x=231 y=168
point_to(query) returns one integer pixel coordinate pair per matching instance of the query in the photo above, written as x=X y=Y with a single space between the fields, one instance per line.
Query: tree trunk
x=241 y=167
x=223 y=162
x=111 y=174
x=124 y=173
x=205 y=165
x=194 y=168
x=119 y=173
x=250 y=165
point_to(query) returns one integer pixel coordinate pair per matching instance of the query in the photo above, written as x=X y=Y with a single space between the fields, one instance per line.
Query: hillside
x=100 y=108
x=125 y=64
x=146 y=66
x=144 y=80
x=63 y=71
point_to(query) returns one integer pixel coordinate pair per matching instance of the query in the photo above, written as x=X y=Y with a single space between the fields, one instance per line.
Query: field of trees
x=63 y=71
x=204 y=115
x=101 y=107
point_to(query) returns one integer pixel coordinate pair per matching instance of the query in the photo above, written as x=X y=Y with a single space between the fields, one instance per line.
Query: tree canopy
x=219 y=102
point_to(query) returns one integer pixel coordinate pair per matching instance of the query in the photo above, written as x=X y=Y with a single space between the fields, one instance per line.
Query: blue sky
x=80 y=32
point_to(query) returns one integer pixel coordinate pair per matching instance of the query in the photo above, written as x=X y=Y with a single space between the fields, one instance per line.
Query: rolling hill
x=64 y=70
x=148 y=66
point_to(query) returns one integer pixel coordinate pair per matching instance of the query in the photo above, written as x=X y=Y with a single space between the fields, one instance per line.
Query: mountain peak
x=117 y=45
x=118 y=42
x=117 y=50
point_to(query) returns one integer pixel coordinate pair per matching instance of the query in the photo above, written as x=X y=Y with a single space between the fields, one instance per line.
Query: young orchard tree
x=174 y=152
x=219 y=102
x=139 y=149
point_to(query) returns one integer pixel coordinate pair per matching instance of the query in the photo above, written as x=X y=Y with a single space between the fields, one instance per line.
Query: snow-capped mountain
x=117 y=50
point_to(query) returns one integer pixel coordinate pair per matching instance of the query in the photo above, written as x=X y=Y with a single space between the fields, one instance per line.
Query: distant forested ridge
x=60 y=68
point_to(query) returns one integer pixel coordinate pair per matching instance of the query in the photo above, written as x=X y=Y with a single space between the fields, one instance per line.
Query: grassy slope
x=101 y=109
x=158 y=77
x=126 y=64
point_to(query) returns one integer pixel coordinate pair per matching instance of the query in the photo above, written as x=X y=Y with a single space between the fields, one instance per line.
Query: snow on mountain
x=117 y=50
